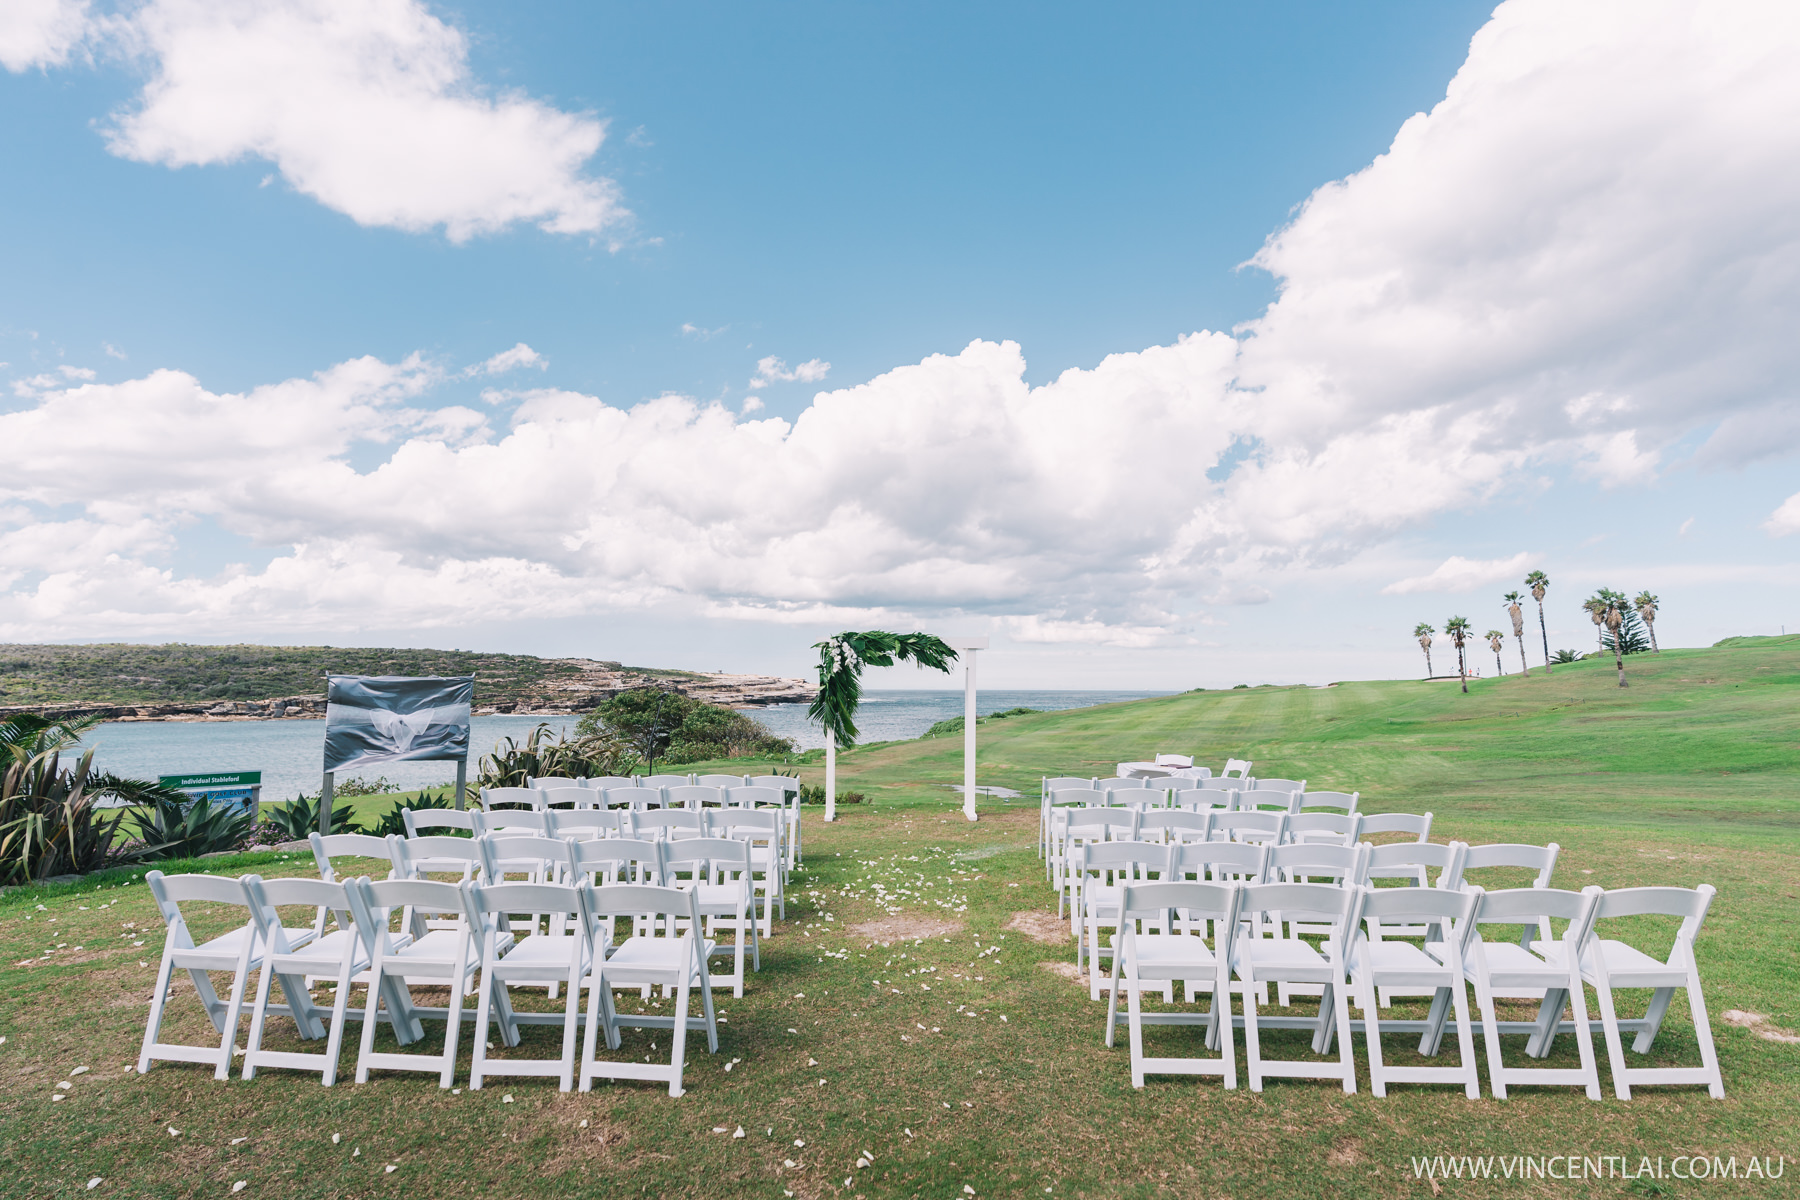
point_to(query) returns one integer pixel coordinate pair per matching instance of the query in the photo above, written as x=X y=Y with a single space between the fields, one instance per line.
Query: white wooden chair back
x=584 y=823
x=421 y=821
x=511 y=797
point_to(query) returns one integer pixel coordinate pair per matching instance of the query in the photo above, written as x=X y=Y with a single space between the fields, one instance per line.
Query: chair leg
x=1615 y=1050
x=158 y=1001
x=1584 y=1037
x=1346 y=1051
x=1490 y=1030
x=1252 y=1035
x=1372 y=1036
x=1465 y=1042
x=678 y=1050
x=1709 y=1057
x=1653 y=1019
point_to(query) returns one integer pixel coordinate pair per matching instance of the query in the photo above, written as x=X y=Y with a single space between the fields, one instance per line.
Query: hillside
x=243 y=680
x=1704 y=740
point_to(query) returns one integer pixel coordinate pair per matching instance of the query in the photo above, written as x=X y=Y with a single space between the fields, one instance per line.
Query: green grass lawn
x=859 y=1041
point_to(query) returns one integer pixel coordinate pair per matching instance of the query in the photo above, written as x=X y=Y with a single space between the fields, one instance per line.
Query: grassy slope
x=1687 y=777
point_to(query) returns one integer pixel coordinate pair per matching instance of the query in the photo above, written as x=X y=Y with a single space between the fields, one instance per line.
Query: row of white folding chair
x=611 y=781
x=1165 y=951
x=684 y=795
x=364 y=949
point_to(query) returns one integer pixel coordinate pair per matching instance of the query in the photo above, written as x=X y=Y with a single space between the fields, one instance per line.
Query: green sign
x=216 y=779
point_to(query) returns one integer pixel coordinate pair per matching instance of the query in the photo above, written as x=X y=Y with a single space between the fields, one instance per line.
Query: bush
x=300 y=817
x=1565 y=656
x=189 y=828
x=815 y=794
x=677 y=729
x=955 y=724
x=589 y=753
x=357 y=786
x=394 y=821
x=50 y=819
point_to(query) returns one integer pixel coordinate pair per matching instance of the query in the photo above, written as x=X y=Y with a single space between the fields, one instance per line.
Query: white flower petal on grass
x=78 y=1071
x=739 y=1133
x=240 y=1185
x=55 y=1096
x=583 y=1124
x=64 y=1084
x=174 y=1132
x=506 y=1099
x=95 y=1182
x=239 y=1141
x=390 y=1169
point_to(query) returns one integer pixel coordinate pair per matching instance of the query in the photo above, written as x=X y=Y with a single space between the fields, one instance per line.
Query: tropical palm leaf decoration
x=841 y=661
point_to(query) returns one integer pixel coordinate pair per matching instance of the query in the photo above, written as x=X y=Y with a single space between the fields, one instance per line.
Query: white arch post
x=967 y=647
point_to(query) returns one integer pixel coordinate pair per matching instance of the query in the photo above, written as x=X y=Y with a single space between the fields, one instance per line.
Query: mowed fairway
x=950 y=1067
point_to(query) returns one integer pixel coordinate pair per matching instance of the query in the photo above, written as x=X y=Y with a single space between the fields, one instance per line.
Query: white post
x=968 y=647
x=830 y=777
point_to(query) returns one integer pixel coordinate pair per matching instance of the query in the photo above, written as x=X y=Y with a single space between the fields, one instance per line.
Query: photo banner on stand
x=371 y=721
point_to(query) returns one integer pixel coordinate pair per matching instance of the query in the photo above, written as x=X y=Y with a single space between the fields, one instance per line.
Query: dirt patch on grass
x=575 y=1146
x=1347 y=1152
x=1067 y=970
x=1041 y=926
x=1760 y=1025
x=905 y=929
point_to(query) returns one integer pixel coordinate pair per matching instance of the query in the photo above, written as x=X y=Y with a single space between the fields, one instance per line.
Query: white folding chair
x=1608 y=964
x=663 y=824
x=1221 y=862
x=327 y=846
x=515 y=821
x=635 y=798
x=789 y=787
x=1046 y=786
x=1057 y=801
x=1347 y=801
x=1145 y=799
x=1102 y=871
x=449 y=958
x=1280 y=785
x=540 y=960
x=1335 y=829
x=673 y=954
x=1199 y=799
x=1292 y=960
x=422 y=822
x=1500 y=968
x=511 y=797
x=1074 y=827
x=665 y=781
x=1417 y=826
x=762 y=829
x=1540 y=860
x=1172 y=948
x=696 y=796
x=720 y=781
x=585 y=823
x=719 y=874
x=1174 y=760
x=546 y=782
x=1268 y=828
x=1173 y=825
x=338 y=956
x=239 y=951
x=601 y=783
x=1377 y=961
x=1239 y=765
x=566 y=796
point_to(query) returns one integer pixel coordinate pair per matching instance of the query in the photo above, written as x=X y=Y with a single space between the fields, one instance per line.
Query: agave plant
x=394 y=820
x=184 y=828
x=1539 y=583
x=1566 y=656
x=514 y=764
x=1459 y=630
x=300 y=816
x=1423 y=632
x=51 y=819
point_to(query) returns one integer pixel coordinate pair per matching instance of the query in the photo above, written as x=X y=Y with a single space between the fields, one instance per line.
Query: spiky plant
x=841 y=662
x=1517 y=613
x=1539 y=583
x=1459 y=630
x=1646 y=610
x=1423 y=632
x=1495 y=640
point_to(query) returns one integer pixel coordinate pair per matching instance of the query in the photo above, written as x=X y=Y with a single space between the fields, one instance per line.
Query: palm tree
x=1646 y=608
x=1458 y=629
x=1518 y=621
x=1614 y=617
x=1596 y=611
x=1423 y=632
x=1538 y=582
x=1495 y=640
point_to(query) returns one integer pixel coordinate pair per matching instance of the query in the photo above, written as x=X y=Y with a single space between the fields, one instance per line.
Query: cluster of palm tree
x=1624 y=626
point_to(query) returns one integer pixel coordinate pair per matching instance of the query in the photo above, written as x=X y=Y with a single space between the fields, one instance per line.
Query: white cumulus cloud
x=520 y=355
x=40 y=33
x=1782 y=521
x=1459 y=574
x=773 y=370
x=367 y=106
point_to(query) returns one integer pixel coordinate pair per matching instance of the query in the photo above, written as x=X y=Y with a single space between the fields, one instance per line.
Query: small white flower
x=335 y=1138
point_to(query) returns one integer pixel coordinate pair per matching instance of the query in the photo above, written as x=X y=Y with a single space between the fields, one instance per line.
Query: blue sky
x=814 y=198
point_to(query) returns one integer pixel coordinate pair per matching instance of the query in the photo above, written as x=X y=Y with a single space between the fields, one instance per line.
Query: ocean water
x=290 y=754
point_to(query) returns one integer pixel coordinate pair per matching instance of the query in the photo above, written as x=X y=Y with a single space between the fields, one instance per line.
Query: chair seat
x=322 y=952
x=1101 y=900
x=1384 y=957
x=1161 y=954
x=1630 y=967
x=719 y=899
x=1511 y=965
x=227 y=946
x=651 y=954
x=539 y=951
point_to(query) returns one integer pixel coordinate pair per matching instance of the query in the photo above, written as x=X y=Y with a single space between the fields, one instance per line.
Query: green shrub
x=590 y=753
x=815 y=794
x=357 y=786
x=955 y=724
x=186 y=828
x=300 y=817
x=658 y=724
x=394 y=821
x=50 y=819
